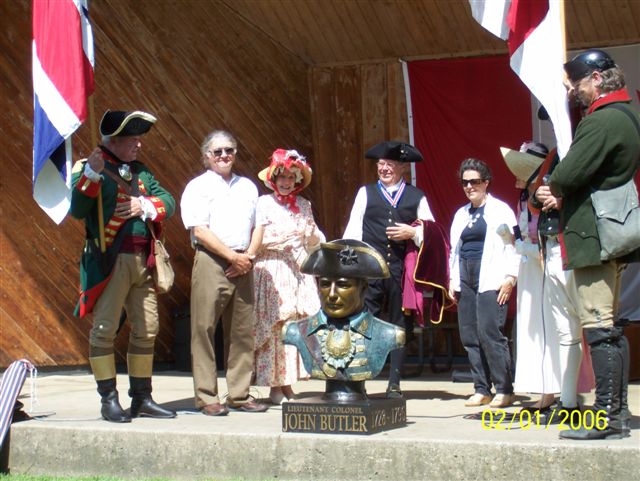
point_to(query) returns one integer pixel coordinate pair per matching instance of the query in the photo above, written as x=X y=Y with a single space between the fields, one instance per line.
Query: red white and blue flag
x=533 y=31
x=62 y=81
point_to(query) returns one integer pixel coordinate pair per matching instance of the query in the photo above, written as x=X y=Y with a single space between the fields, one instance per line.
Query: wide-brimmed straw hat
x=118 y=123
x=281 y=160
x=523 y=164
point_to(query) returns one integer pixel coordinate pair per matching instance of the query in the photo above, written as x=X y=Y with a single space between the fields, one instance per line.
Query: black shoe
x=147 y=407
x=394 y=392
x=561 y=415
x=625 y=421
x=594 y=433
x=544 y=411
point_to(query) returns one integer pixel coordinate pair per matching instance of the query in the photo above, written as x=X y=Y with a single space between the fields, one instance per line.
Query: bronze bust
x=343 y=343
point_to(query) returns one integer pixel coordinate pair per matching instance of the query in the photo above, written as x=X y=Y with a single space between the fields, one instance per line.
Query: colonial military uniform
x=603 y=155
x=120 y=277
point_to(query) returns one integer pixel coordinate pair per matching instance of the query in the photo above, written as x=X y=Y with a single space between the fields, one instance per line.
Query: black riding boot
x=625 y=413
x=141 y=402
x=607 y=359
x=111 y=409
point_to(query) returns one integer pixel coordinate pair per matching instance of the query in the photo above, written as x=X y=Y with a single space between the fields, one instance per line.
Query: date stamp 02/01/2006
x=562 y=419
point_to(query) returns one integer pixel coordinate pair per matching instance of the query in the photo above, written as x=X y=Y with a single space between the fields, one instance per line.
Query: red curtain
x=466 y=107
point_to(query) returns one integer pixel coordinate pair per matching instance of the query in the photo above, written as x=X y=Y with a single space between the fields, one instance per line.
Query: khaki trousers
x=598 y=294
x=215 y=297
x=130 y=286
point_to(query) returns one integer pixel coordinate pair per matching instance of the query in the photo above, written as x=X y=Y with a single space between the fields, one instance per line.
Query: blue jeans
x=481 y=322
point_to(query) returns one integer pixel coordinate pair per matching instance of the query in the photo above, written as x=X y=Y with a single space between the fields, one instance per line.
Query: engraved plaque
x=370 y=416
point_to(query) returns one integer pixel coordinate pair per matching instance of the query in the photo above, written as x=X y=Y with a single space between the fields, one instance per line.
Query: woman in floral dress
x=282 y=292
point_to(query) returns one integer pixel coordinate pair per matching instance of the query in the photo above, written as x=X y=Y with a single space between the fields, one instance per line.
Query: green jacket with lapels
x=604 y=154
x=95 y=268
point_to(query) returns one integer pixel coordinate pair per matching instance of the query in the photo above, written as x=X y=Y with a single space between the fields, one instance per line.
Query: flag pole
x=94 y=142
x=563 y=31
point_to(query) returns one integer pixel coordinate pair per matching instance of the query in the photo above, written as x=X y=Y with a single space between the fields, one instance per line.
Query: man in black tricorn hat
x=382 y=215
x=132 y=202
x=344 y=343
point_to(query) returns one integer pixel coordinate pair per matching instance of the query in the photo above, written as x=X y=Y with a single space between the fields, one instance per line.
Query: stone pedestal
x=368 y=416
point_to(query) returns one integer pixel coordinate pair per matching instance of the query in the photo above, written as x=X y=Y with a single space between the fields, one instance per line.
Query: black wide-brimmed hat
x=118 y=123
x=586 y=62
x=394 y=150
x=347 y=258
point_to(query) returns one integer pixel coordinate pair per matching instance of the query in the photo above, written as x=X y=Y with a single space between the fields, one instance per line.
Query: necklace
x=473 y=218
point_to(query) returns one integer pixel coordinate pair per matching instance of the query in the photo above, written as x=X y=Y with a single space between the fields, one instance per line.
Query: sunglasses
x=226 y=150
x=466 y=182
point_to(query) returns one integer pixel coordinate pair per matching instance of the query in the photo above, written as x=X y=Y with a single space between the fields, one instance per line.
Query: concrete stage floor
x=441 y=441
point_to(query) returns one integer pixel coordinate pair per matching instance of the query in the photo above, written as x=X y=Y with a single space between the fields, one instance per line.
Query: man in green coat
x=116 y=264
x=604 y=154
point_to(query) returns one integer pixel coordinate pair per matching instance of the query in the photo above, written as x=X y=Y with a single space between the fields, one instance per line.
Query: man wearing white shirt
x=219 y=209
x=382 y=216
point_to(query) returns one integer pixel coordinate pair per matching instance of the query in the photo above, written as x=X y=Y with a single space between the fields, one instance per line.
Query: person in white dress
x=282 y=292
x=537 y=344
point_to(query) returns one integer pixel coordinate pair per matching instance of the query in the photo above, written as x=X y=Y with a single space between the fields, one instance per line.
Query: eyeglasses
x=466 y=182
x=226 y=150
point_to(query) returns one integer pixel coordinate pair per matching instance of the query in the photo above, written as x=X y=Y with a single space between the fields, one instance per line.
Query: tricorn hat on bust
x=394 y=150
x=347 y=258
x=118 y=123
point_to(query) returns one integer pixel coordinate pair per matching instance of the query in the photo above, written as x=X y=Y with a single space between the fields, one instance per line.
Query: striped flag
x=10 y=386
x=62 y=81
x=533 y=31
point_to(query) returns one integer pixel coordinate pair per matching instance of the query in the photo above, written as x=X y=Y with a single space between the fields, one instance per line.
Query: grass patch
x=27 y=477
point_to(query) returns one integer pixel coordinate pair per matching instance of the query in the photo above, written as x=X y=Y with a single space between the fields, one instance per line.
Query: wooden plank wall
x=352 y=108
x=197 y=67
x=175 y=63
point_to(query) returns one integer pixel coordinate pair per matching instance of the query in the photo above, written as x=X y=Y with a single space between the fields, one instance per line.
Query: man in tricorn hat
x=382 y=215
x=603 y=156
x=344 y=343
x=118 y=281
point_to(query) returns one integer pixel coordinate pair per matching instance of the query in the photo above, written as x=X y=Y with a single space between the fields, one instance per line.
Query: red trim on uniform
x=89 y=297
x=88 y=187
x=621 y=95
x=160 y=209
x=112 y=228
